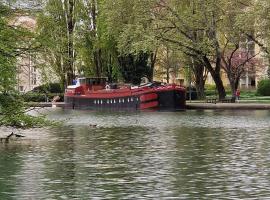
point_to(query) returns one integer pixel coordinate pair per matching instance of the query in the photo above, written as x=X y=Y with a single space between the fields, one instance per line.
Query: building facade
x=28 y=75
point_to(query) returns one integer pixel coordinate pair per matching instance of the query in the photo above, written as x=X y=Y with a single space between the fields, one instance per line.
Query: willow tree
x=128 y=25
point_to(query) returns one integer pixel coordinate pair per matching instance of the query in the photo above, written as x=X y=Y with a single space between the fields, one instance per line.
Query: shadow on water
x=183 y=155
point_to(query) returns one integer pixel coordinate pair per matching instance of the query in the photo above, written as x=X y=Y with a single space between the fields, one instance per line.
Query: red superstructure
x=94 y=93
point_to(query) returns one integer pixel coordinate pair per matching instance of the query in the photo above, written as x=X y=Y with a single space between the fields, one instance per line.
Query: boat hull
x=173 y=99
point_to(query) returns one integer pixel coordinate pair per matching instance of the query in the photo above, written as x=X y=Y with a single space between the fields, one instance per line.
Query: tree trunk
x=233 y=88
x=215 y=73
x=97 y=61
x=199 y=84
x=198 y=71
x=153 y=57
x=219 y=86
x=70 y=31
x=168 y=74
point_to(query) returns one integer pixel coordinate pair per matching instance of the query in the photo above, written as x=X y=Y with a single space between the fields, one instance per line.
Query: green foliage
x=8 y=44
x=14 y=42
x=210 y=93
x=12 y=113
x=41 y=97
x=264 y=87
x=210 y=87
x=49 y=88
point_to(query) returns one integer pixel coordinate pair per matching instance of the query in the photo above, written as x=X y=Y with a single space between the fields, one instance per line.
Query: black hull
x=166 y=100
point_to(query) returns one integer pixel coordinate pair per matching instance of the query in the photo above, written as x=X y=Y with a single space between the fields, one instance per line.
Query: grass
x=247 y=96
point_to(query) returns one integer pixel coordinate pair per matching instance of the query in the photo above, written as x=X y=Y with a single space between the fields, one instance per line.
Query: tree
x=200 y=73
x=137 y=49
x=14 y=42
x=189 y=27
x=97 y=49
x=255 y=24
x=168 y=63
x=236 y=64
x=56 y=34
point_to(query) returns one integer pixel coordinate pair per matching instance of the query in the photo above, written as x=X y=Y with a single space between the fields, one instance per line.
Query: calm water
x=153 y=155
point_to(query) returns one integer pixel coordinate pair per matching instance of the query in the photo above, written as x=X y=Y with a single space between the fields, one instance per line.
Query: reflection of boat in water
x=95 y=94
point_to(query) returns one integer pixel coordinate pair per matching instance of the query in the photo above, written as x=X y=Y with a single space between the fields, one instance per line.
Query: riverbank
x=241 y=105
x=22 y=135
x=228 y=106
x=46 y=104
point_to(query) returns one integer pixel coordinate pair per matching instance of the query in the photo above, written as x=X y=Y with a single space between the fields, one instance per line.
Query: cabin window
x=108 y=101
x=101 y=102
x=114 y=101
x=131 y=99
x=82 y=81
x=95 y=102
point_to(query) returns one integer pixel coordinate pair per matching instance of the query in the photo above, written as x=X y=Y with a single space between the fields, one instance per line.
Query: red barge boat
x=96 y=94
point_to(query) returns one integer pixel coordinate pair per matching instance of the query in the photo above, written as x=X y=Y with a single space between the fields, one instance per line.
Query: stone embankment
x=189 y=105
x=46 y=104
x=228 y=106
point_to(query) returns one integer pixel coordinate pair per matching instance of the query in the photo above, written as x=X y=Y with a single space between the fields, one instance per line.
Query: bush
x=210 y=93
x=264 y=87
x=209 y=87
x=13 y=113
x=41 y=97
x=49 y=88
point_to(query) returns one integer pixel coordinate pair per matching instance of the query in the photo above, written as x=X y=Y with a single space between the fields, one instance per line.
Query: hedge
x=41 y=97
x=49 y=88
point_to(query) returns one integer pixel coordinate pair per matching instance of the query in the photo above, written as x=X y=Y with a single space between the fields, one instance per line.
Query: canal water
x=149 y=155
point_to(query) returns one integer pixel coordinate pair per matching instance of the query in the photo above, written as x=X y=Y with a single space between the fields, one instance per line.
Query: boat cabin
x=91 y=81
x=88 y=84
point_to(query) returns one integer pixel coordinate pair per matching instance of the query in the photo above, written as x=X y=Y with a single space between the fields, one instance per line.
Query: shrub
x=49 y=88
x=41 y=97
x=209 y=87
x=13 y=113
x=264 y=87
x=210 y=93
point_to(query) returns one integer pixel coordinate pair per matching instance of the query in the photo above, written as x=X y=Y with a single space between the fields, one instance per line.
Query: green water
x=152 y=155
